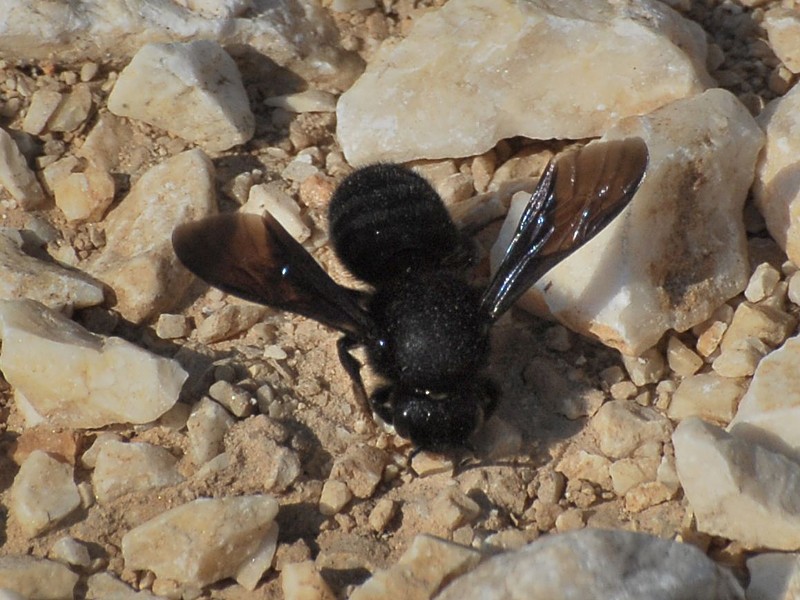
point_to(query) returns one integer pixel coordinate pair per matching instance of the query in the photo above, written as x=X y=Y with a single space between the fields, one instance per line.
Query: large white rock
x=43 y=493
x=202 y=541
x=598 y=564
x=738 y=489
x=774 y=576
x=38 y=578
x=777 y=186
x=679 y=250
x=138 y=262
x=73 y=378
x=191 y=89
x=783 y=28
x=122 y=468
x=478 y=71
x=23 y=276
x=296 y=34
x=769 y=412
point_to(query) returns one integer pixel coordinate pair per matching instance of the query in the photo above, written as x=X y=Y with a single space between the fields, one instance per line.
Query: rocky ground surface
x=162 y=439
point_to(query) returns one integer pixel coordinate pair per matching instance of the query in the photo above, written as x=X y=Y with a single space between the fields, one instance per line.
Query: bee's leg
x=353 y=368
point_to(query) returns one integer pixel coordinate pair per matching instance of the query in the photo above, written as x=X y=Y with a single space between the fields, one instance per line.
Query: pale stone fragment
x=89 y=457
x=74 y=378
x=679 y=250
x=335 y=496
x=627 y=473
x=234 y=398
x=452 y=508
x=647 y=494
x=776 y=189
x=361 y=467
x=425 y=464
x=774 y=576
x=43 y=493
x=108 y=142
x=191 y=544
x=742 y=359
x=16 y=177
x=73 y=109
x=738 y=489
x=170 y=326
x=570 y=520
x=707 y=395
x=298 y=35
x=646 y=368
x=681 y=359
x=229 y=321
x=783 y=28
x=38 y=578
x=122 y=468
x=24 y=276
x=43 y=105
x=302 y=102
x=191 y=89
x=382 y=514
x=250 y=573
x=421 y=571
x=594 y=563
x=59 y=170
x=769 y=413
x=268 y=198
x=762 y=282
x=138 y=262
x=302 y=581
x=435 y=95
x=622 y=427
x=70 y=551
x=710 y=339
x=586 y=466
x=762 y=322
x=206 y=429
x=84 y=196
x=104 y=586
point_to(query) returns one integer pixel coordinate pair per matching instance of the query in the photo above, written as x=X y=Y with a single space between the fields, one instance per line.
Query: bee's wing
x=255 y=258
x=577 y=196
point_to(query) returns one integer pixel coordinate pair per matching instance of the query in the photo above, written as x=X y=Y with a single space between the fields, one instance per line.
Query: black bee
x=425 y=330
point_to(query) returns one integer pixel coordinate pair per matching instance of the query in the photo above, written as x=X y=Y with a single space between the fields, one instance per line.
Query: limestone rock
x=16 y=177
x=138 y=262
x=768 y=413
x=303 y=581
x=206 y=430
x=37 y=578
x=298 y=35
x=23 y=276
x=43 y=493
x=776 y=190
x=424 y=568
x=250 y=573
x=783 y=28
x=361 y=468
x=706 y=395
x=622 y=426
x=191 y=89
x=774 y=576
x=122 y=468
x=466 y=76
x=192 y=544
x=679 y=250
x=738 y=489
x=73 y=378
x=104 y=586
x=84 y=196
x=597 y=564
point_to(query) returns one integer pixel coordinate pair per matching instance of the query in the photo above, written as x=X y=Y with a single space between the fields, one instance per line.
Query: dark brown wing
x=578 y=195
x=255 y=258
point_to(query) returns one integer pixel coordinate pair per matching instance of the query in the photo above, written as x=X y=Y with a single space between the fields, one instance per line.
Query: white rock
x=73 y=109
x=43 y=493
x=229 y=321
x=70 y=551
x=84 y=196
x=361 y=467
x=622 y=426
x=681 y=359
x=104 y=586
x=38 y=578
x=776 y=192
x=250 y=573
x=597 y=564
x=679 y=250
x=769 y=413
x=138 y=262
x=298 y=35
x=170 y=327
x=203 y=541
x=464 y=77
x=762 y=282
x=646 y=368
x=43 y=104
x=428 y=563
x=783 y=28
x=773 y=576
x=206 y=429
x=738 y=489
x=122 y=468
x=334 y=497
x=266 y=198
x=16 y=177
x=707 y=395
x=302 y=102
x=24 y=276
x=74 y=378
x=191 y=89
x=302 y=581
